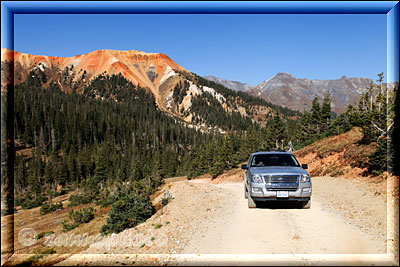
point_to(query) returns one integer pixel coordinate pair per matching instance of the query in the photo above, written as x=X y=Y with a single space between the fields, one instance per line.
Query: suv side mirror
x=304 y=166
x=244 y=167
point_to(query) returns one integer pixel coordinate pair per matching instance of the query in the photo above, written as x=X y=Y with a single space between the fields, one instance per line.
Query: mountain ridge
x=235 y=85
x=297 y=93
x=176 y=90
x=149 y=70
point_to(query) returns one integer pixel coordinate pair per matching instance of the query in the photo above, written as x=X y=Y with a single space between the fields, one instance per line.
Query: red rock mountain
x=174 y=88
x=148 y=70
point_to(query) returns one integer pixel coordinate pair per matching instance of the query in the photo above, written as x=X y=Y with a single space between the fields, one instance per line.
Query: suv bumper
x=281 y=199
x=302 y=193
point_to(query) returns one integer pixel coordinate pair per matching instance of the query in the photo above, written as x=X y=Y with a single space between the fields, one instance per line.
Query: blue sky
x=246 y=48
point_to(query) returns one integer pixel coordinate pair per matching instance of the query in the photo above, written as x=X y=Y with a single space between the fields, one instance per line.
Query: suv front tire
x=306 y=204
x=251 y=203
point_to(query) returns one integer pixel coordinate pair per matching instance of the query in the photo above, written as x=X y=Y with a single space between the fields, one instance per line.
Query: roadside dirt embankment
x=338 y=156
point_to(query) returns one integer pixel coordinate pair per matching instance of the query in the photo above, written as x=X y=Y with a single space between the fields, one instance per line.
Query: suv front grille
x=282 y=182
x=281 y=178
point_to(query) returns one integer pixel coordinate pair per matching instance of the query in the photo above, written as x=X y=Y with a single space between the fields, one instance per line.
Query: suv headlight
x=256 y=179
x=305 y=178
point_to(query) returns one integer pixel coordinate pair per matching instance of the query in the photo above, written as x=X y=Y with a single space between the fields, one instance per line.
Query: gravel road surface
x=347 y=216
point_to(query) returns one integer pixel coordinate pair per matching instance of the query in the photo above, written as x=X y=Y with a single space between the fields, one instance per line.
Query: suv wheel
x=251 y=203
x=245 y=192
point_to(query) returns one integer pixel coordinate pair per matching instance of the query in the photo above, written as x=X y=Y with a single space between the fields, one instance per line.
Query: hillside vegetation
x=374 y=115
x=340 y=155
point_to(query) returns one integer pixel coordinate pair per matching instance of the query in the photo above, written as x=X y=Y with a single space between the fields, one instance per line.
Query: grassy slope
x=31 y=218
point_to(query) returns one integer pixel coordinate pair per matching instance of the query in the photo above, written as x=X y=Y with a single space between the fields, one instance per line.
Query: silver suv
x=276 y=176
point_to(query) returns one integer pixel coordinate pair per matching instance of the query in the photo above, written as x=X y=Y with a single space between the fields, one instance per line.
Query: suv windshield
x=264 y=160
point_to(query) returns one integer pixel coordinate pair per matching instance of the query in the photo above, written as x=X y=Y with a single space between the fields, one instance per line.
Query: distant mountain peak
x=283 y=75
x=298 y=93
x=295 y=93
x=234 y=85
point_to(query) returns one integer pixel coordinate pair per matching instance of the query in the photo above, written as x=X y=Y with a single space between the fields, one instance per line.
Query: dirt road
x=284 y=229
x=347 y=216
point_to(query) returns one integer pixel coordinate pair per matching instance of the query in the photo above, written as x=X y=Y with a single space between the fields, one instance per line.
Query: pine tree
x=128 y=210
x=316 y=116
x=20 y=176
x=49 y=171
x=227 y=151
x=64 y=172
x=218 y=165
x=100 y=172
x=72 y=168
x=326 y=113
x=35 y=168
x=303 y=133
x=353 y=117
x=135 y=172
x=278 y=132
x=377 y=161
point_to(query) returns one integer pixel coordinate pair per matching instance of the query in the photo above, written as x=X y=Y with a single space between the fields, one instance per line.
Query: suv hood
x=277 y=170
